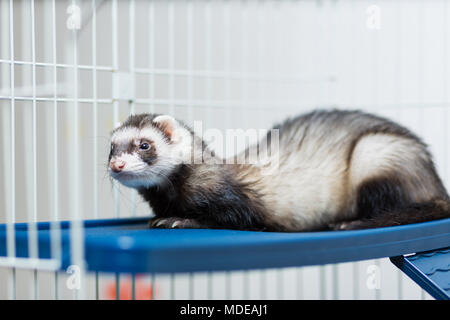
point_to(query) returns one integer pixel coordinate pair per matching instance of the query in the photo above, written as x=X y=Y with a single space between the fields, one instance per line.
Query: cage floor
x=127 y=245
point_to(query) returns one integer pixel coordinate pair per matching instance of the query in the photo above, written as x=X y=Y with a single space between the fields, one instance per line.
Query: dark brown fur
x=220 y=202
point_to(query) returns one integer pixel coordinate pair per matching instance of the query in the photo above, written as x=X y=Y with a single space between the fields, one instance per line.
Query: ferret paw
x=173 y=223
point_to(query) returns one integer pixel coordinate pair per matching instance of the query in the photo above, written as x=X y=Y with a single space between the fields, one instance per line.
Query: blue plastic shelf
x=127 y=245
x=430 y=270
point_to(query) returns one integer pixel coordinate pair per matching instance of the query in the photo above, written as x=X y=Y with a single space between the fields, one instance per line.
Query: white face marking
x=125 y=135
x=137 y=173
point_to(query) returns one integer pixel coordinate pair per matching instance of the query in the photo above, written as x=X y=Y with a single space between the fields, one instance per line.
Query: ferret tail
x=414 y=213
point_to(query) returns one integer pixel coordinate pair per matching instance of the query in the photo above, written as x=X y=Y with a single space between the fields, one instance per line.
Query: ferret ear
x=168 y=125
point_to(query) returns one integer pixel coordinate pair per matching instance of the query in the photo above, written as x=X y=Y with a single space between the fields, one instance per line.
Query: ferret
x=335 y=170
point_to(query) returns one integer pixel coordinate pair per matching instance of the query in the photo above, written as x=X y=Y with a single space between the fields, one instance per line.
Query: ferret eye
x=144 y=146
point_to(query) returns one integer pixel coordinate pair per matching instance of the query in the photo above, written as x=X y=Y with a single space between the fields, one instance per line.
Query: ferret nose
x=117 y=165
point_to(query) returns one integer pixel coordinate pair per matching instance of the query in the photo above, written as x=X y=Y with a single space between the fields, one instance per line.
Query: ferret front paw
x=174 y=223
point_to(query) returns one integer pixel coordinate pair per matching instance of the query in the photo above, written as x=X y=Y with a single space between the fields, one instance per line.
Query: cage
x=71 y=71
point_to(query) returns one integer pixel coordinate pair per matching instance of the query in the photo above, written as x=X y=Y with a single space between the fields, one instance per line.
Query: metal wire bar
x=234 y=75
x=76 y=227
x=11 y=248
x=190 y=56
x=265 y=105
x=189 y=88
x=52 y=99
x=95 y=123
x=208 y=91
x=115 y=59
x=171 y=57
x=55 y=230
x=32 y=226
x=151 y=49
x=30 y=263
x=132 y=66
x=57 y=65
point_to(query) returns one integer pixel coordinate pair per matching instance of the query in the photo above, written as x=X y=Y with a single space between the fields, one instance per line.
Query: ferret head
x=146 y=149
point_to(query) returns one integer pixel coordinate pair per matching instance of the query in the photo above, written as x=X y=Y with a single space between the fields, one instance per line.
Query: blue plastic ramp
x=430 y=270
x=127 y=245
